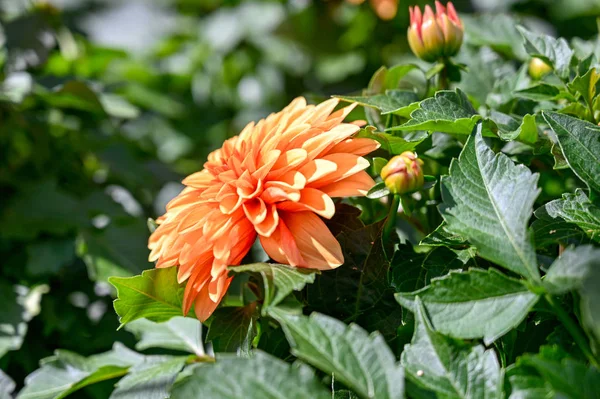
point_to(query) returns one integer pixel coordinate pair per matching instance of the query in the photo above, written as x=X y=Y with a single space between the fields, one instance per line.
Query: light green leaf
x=394 y=145
x=155 y=295
x=388 y=103
x=379 y=190
x=150 y=379
x=489 y=200
x=555 y=52
x=7 y=386
x=360 y=361
x=511 y=128
x=448 y=112
x=539 y=92
x=473 y=304
x=586 y=85
x=450 y=368
x=441 y=236
x=260 y=376
x=580 y=144
x=232 y=329
x=278 y=280
x=178 y=333
x=66 y=372
x=497 y=31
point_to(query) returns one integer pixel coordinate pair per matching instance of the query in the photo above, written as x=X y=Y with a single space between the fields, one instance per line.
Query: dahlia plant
x=435 y=236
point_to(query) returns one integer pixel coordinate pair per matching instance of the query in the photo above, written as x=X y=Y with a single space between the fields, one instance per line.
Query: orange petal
x=200 y=179
x=347 y=165
x=317 y=169
x=318 y=247
x=268 y=226
x=327 y=140
x=311 y=200
x=204 y=305
x=355 y=185
x=275 y=194
x=255 y=210
x=356 y=146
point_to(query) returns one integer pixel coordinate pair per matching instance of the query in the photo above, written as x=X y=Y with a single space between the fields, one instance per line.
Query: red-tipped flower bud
x=432 y=36
x=538 y=68
x=403 y=173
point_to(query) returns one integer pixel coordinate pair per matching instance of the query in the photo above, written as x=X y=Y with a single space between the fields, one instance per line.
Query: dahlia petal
x=347 y=165
x=287 y=161
x=204 y=305
x=293 y=180
x=355 y=185
x=317 y=169
x=325 y=141
x=268 y=226
x=289 y=246
x=318 y=247
x=200 y=179
x=311 y=200
x=255 y=210
x=356 y=146
x=278 y=193
x=266 y=163
x=323 y=110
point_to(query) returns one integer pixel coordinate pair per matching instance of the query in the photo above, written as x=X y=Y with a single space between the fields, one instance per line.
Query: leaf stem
x=573 y=329
x=443 y=76
x=390 y=224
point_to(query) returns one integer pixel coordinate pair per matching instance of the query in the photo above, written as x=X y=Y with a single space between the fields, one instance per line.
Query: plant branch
x=390 y=224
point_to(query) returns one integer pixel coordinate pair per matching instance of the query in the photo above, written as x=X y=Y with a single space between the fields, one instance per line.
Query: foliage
x=486 y=288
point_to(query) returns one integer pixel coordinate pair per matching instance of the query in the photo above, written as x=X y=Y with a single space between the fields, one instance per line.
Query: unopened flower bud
x=432 y=36
x=403 y=173
x=538 y=68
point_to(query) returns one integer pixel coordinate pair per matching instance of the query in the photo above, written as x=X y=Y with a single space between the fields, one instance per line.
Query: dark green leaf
x=448 y=112
x=233 y=329
x=586 y=85
x=154 y=295
x=150 y=379
x=473 y=304
x=556 y=52
x=580 y=144
x=362 y=362
x=49 y=256
x=278 y=280
x=449 y=367
x=393 y=144
x=497 y=31
x=539 y=92
x=388 y=103
x=510 y=128
x=441 y=236
x=260 y=376
x=489 y=200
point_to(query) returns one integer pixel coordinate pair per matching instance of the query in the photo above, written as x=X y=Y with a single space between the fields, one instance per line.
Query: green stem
x=390 y=224
x=573 y=329
x=443 y=81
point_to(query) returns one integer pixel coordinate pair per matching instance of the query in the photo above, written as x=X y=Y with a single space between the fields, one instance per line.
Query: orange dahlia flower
x=275 y=181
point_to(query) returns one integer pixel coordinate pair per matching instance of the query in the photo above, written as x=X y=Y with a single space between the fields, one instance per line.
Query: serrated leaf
x=260 y=376
x=154 y=295
x=278 y=280
x=574 y=209
x=177 y=333
x=67 y=372
x=539 y=92
x=393 y=144
x=556 y=52
x=509 y=128
x=410 y=271
x=489 y=200
x=232 y=329
x=360 y=361
x=580 y=144
x=450 y=368
x=388 y=103
x=441 y=236
x=473 y=304
x=448 y=112
x=150 y=379
x=495 y=30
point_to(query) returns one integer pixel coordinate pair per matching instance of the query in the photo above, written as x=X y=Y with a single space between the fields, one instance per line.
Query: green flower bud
x=434 y=36
x=403 y=173
x=538 y=68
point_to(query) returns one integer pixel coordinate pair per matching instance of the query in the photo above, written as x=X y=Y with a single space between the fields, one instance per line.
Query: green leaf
x=410 y=271
x=67 y=372
x=232 y=329
x=393 y=144
x=473 y=304
x=555 y=52
x=489 y=200
x=362 y=362
x=396 y=73
x=7 y=386
x=510 y=128
x=580 y=144
x=278 y=280
x=450 y=368
x=448 y=112
x=260 y=376
x=13 y=326
x=578 y=269
x=441 y=236
x=155 y=295
x=379 y=190
x=388 y=103
x=150 y=379
x=47 y=257
x=539 y=92
x=586 y=85
x=567 y=377
x=495 y=30
x=177 y=333
x=574 y=215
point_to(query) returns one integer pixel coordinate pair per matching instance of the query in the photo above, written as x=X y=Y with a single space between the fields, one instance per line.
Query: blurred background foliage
x=106 y=104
